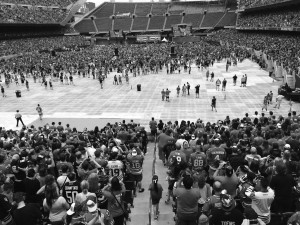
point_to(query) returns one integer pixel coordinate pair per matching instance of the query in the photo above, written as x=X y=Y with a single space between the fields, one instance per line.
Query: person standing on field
x=40 y=111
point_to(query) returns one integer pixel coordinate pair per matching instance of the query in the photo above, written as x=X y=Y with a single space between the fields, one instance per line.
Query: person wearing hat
x=73 y=214
x=228 y=214
x=26 y=214
x=229 y=181
x=156 y=193
x=134 y=163
x=96 y=216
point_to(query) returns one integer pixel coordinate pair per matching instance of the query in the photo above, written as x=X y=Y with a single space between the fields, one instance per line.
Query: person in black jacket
x=5 y=211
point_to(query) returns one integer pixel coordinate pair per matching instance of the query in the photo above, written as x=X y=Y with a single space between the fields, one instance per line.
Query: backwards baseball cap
x=91 y=205
x=71 y=210
x=227 y=202
x=134 y=152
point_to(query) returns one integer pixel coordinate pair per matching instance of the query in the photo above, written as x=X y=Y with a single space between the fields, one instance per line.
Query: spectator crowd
x=60 y=3
x=255 y=3
x=31 y=14
x=273 y=19
x=230 y=170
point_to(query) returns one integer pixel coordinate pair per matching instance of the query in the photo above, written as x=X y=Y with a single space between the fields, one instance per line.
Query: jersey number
x=136 y=165
x=198 y=163
x=115 y=172
x=71 y=195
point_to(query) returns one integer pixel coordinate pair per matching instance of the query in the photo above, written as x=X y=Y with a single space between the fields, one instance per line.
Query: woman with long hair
x=82 y=196
x=113 y=192
x=56 y=205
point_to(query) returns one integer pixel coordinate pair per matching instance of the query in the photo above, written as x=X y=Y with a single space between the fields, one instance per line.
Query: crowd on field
x=280 y=46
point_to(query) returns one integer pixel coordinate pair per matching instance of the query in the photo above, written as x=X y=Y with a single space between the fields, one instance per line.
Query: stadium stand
x=105 y=10
x=31 y=14
x=124 y=8
x=143 y=9
x=85 y=26
x=140 y=23
x=283 y=17
x=194 y=19
x=172 y=20
x=60 y=3
x=156 y=23
x=123 y=24
x=103 y=24
x=159 y=8
x=229 y=20
x=211 y=19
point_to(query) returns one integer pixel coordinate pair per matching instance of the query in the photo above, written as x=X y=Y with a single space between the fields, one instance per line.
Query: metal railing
x=153 y=172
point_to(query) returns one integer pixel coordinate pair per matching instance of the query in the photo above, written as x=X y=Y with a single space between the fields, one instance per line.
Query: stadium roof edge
x=88 y=14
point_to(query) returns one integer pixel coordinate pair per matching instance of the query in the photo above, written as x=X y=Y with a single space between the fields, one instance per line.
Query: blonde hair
x=93 y=181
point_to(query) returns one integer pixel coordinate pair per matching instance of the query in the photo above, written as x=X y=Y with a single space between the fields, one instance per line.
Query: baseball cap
x=71 y=210
x=227 y=202
x=134 y=152
x=91 y=205
x=287 y=146
x=193 y=137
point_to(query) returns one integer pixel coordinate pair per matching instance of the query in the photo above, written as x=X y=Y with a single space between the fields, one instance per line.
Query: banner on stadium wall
x=148 y=38
x=123 y=15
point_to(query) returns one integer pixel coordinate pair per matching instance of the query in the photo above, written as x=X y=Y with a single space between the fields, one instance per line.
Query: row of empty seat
x=157 y=23
x=143 y=9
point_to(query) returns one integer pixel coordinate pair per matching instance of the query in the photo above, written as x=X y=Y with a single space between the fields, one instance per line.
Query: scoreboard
x=180 y=30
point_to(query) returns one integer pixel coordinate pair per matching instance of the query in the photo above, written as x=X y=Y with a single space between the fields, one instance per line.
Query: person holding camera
x=230 y=181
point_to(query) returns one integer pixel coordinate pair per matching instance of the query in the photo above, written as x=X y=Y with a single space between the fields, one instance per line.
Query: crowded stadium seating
x=60 y=3
x=259 y=3
x=276 y=18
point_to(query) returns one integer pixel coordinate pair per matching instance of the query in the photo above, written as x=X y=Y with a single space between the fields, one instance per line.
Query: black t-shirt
x=19 y=182
x=221 y=217
x=70 y=191
x=283 y=186
x=31 y=187
x=5 y=206
x=28 y=215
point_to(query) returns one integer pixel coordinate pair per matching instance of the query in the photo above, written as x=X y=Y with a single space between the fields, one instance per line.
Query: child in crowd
x=156 y=193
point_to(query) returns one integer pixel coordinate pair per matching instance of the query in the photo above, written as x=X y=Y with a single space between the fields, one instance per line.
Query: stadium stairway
x=140 y=213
